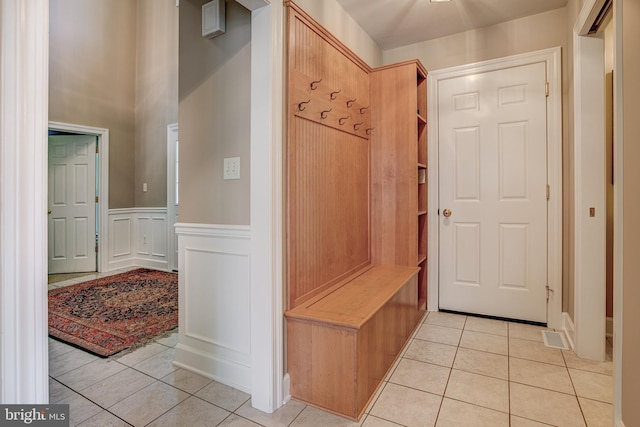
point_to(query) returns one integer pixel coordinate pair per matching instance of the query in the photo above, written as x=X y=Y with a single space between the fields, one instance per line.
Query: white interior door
x=72 y=203
x=493 y=193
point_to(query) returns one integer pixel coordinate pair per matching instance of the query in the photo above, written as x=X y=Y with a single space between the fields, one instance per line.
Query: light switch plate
x=232 y=168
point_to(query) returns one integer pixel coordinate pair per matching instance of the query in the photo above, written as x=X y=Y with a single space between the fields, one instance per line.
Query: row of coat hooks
x=302 y=106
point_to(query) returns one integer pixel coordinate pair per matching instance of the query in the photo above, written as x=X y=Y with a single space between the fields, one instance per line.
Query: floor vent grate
x=554 y=339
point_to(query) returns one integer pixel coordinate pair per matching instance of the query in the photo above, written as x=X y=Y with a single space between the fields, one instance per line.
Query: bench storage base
x=341 y=345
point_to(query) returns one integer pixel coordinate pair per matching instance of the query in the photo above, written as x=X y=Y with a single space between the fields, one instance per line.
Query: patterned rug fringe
x=143 y=343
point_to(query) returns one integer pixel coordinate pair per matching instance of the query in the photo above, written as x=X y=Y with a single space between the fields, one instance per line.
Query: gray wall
x=92 y=64
x=214 y=122
x=114 y=64
x=156 y=97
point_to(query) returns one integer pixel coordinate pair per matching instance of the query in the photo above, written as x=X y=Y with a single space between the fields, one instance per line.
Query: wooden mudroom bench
x=342 y=343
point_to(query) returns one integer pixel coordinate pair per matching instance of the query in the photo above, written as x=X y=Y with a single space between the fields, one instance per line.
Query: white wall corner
x=569 y=329
x=254 y=4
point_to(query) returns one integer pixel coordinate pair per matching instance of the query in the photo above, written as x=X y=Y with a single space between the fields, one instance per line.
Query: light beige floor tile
x=64 y=362
x=372 y=421
x=546 y=406
x=575 y=362
x=431 y=352
x=592 y=385
x=170 y=341
x=526 y=332
x=407 y=406
x=186 y=381
x=58 y=347
x=80 y=408
x=131 y=358
x=446 y=319
x=538 y=374
x=523 y=422
x=237 y=421
x=485 y=342
x=58 y=391
x=480 y=362
x=148 y=404
x=103 y=419
x=437 y=333
x=597 y=414
x=422 y=376
x=487 y=326
x=479 y=390
x=159 y=365
x=192 y=412
x=314 y=417
x=223 y=396
x=457 y=414
x=280 y=418
x=91 y=373
x=110 y=391
x=531 y=350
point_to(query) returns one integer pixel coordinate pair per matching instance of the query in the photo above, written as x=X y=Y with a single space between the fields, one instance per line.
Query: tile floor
x=456 y=371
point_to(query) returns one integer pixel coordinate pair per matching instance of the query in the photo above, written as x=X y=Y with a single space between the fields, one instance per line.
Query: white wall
x=335 y=19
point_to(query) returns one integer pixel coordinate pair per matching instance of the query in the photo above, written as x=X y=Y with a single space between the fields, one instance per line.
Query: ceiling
x=394 y=23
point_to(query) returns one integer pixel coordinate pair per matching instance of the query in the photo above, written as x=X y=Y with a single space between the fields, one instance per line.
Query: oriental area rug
x=110 y=314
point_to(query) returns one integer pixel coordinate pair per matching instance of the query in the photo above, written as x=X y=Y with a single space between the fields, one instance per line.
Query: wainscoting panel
x=215 y=312
x=138 y=238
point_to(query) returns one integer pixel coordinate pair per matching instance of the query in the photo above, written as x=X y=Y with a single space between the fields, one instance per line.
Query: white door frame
x=24 y=84
x=554 y=170
x=103 y=184
x=171 y=194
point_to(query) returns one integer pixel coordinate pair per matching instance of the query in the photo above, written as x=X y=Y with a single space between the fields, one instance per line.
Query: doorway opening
x=99 y=187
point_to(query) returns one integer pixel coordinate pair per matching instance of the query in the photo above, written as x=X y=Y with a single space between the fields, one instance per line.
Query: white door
x=72 y=203
x=493 y=193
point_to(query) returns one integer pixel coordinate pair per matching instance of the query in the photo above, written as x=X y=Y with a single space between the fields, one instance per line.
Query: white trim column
x=24 y=79
x=589 y=192
x=267 y=338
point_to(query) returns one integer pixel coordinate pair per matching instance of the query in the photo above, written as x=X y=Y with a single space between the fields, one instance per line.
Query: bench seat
x=342 y=343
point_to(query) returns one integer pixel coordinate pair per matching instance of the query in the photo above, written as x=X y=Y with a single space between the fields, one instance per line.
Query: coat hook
x=314 y=84
x=300 y=105
x=350 y=102
x=323 y=114
x=333 y=94
x=368 y=131
x=356 y=126
x=363 y=109
x=341 y=120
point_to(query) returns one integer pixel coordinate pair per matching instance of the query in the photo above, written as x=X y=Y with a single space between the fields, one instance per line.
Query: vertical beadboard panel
x=328 y=170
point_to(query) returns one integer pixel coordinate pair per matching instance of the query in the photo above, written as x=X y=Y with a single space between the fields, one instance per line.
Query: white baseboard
x=569 y=329
x=609 y=327
x=286 y=389
x=213 y=366
x=620 y=423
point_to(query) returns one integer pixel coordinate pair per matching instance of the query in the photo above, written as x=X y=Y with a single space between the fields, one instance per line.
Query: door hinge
x=97 y=199
x=97 y=247
x=548 y=191
x=549 y=291
x=97 y=149
x=546 y=89
x=438 y=212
